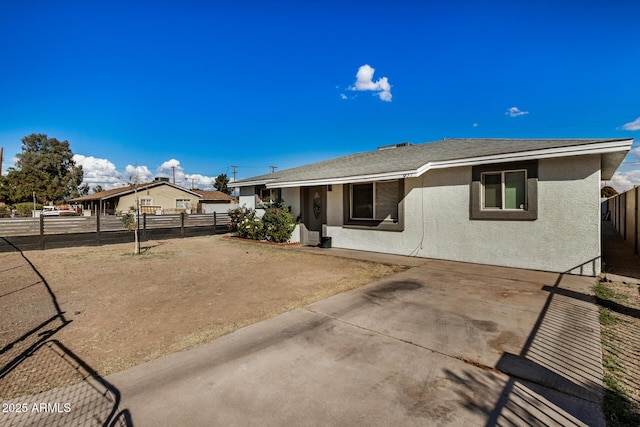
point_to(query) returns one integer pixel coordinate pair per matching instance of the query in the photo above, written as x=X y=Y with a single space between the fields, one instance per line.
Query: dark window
x=375 y=201
x=374 y=205
x=362 y=201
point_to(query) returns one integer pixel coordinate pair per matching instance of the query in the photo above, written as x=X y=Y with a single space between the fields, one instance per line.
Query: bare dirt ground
x=112 y=310
x=620 y=332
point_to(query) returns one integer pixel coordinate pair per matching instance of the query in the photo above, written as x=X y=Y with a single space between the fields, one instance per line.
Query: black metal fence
x=48 y=232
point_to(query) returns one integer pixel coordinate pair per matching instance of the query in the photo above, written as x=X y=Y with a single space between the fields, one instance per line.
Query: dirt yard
x=114 y=310
x=620 y=332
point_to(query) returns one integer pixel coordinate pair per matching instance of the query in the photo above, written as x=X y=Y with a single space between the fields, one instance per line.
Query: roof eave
x=608 y=147
x=251 y=183
x=547 y=153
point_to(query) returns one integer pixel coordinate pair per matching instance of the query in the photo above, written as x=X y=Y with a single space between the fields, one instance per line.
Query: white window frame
x=184 y=204
x=502 y=190
x=143 y=199
x=374 y=201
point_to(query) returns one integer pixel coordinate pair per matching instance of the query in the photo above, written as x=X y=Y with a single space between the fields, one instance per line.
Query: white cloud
x=364 y=82
x=623 y=181
x=194 y=180
x=102 y=172
x=475 y=125
x=343 y=96
x=515 y=112
x=200 y=181
x=168 y=168
x=634 y=125
x=137 y=173
x=98 y=172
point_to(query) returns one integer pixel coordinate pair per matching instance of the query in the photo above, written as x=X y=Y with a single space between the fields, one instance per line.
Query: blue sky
x=205 y=85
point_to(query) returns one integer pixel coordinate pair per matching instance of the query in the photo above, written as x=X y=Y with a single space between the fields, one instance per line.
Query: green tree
x=83 y=190
x=608 y=191
x=222 y=183
x=19 y=186
x=46 y=167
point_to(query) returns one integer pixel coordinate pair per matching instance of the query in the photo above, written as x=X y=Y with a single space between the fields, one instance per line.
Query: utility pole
x=173 y=169
x=234 y=180
x=1 y=162
x=273 y=168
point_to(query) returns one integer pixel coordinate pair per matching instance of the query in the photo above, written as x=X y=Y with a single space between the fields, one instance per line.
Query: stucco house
x=526 y=203
x=157 y=197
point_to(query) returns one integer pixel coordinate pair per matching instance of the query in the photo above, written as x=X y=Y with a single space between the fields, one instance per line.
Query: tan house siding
x=162 y=197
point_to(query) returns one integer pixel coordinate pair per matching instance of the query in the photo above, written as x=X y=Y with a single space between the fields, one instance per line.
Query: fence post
x=635 y=223
x=144 y=226
x=99 y=240
x=215 y=224
x=619 y=204
x=181 y=224
x=41 y=231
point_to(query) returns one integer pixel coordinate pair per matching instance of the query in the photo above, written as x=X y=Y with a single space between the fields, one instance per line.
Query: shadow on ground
x=31 y=360
x=556 y=379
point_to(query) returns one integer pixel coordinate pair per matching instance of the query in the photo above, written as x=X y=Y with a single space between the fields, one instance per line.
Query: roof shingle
x=412 y=157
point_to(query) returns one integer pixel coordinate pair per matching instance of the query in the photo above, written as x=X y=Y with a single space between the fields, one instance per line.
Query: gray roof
x=415 y=156
x=118 y=192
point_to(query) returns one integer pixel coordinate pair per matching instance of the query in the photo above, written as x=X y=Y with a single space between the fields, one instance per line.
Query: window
x=362 y=201
x=146 y=201
x=375 y=201
x=183 y=203
x=270 y=195
x=504 y=190
x=374 y=205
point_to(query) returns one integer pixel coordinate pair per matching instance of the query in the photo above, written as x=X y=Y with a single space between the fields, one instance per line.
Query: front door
x=315 y=206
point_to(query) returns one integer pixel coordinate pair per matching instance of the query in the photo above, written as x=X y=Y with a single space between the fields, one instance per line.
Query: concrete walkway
x=442 y=343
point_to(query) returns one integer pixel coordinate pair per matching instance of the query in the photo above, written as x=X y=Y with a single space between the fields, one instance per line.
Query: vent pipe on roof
x=398 y=145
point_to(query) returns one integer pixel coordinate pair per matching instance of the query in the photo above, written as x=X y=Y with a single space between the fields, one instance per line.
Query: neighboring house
x=531 y=204
x=157 y=197
x=215 y=201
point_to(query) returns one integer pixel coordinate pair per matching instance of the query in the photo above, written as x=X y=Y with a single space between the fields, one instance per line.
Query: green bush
x=250 y=226
x=235 y=216
x=25 y=209
x=128 y=220
x=278 y=223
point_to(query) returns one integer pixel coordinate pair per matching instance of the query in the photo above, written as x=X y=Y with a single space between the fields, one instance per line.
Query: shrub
x=128 y=220
x=235 y=216
x=278 y=223
x=25 y=209
x=250 y=227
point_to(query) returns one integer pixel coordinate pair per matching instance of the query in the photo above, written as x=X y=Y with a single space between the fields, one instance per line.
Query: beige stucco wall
x=291 y=197
x=564 y=238
x=162 y=195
